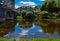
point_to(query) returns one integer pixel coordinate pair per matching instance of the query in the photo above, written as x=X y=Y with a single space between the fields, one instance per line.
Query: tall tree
x=58 y=3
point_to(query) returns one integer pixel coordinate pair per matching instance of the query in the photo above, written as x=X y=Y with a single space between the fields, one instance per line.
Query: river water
x=12 y=29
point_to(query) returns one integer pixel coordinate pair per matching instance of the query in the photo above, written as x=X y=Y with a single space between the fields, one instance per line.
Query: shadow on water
x=50 y=26
x=7 y=26
x=25 y=24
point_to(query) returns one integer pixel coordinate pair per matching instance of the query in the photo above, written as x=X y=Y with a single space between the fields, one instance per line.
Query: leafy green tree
x=43 y=14
x=36 y=7
x=44 y=7
x=23 y=12
x=30 y=16
x=58 y=3
x=51 y=5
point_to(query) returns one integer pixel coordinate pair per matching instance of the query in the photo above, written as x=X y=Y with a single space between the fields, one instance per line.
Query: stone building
x=10 y=3
x=27 y=8
x=7 y=10
x=7 y=14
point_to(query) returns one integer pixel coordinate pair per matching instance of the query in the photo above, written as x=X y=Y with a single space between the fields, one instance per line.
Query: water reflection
x=6 y=27
x=24 y=29
x=50 y=26
x=25 y=24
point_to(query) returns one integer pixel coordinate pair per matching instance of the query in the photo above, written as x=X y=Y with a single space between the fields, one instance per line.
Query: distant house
x=7 y=14
x=27 y=8
x=36 y=11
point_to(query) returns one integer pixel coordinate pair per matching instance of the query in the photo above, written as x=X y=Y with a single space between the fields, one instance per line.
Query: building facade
x=7 y=14
x=8 y=3
x=26 y=8
x=6 y=11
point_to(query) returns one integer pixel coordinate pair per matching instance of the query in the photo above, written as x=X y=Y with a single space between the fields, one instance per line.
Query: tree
x=36 y=7
x=51 y=5
x=58 y=3
x=44 y=7
x=43 y=14
x=30 y=16
x=23 y=12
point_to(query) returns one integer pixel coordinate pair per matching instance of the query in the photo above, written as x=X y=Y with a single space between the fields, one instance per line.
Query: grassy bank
x=34 y=39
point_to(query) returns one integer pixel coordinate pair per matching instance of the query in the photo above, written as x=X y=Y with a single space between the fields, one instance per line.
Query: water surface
x=29 y=30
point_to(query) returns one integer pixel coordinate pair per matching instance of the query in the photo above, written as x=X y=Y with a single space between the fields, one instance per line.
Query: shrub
x=43 y=14
x=19 y=17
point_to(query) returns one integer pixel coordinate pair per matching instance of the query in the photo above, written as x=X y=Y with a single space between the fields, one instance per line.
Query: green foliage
x=3 y=39
x=23 y=13
x=34 y=39
x=44 y=7
x=29 y=13
x=36 y=7
x=30 y=16
x=51 y=6
x=19 y=17
x=43 y=14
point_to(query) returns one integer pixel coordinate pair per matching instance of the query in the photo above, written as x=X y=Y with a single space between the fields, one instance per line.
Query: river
x=45 y=29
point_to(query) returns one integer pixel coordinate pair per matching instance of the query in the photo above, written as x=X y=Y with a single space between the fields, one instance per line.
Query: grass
x=34 y=39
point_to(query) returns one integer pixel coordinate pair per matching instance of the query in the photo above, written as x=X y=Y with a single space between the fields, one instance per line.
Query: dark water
x=43 y=29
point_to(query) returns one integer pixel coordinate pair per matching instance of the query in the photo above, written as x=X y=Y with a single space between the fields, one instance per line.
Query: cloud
x=33 y=26
x=40 y=30
x=24 y=32
x=42 y=0
x=16 y=6
x=28 y=3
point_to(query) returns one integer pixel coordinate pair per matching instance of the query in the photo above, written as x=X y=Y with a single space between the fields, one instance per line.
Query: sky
x=31 y=3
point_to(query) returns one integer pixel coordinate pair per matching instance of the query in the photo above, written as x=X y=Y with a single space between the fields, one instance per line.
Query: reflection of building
x=6 y=27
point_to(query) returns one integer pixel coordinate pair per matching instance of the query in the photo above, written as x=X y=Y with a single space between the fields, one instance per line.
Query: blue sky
x=32 y=3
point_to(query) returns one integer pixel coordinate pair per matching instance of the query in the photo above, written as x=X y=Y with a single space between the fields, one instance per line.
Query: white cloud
x=24 y=32
x=33 y=26
x=28 y=3
x=42 y=0
x=33 y=6
x=16 y=6
x=40 y=30
x=6 y=35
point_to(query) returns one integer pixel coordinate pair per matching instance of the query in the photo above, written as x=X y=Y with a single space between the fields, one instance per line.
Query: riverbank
x=34 y=39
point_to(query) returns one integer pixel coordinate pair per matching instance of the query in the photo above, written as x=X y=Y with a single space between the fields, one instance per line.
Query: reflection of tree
x=58 y=27
x=48 y=26
x=6 y=27
x=25 y=24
